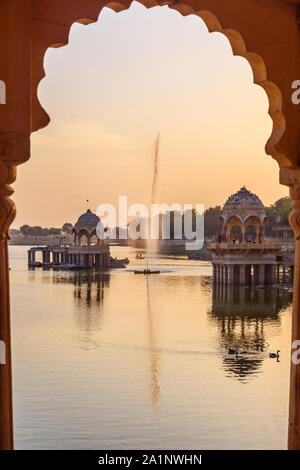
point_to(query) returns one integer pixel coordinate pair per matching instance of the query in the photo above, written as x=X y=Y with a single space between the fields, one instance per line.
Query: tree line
x=38 y=231
x=278 y=214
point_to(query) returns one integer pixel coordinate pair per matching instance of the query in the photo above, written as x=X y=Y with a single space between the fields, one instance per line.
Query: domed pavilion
x=241 y=255
x=245 y=213
x=87 y=251
x=85 y=230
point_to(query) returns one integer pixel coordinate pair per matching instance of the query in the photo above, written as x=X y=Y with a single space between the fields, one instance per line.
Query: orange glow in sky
x=117 y=84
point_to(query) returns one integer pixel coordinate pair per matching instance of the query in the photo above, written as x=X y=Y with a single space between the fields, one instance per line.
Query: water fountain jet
x=147 y=270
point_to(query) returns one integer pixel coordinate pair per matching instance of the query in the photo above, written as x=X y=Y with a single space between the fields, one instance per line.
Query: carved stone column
x=291 y=178
x=7 y=215
x=231 y=274
x=261 y=274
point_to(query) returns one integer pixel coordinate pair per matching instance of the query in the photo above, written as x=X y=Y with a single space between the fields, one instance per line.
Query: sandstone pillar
x=242 y=279
x=273 y=274
x=283 y=274
x=214 y=269
x=7 y=214
x=255 y=274
x=291 y=177
x=263 y=233
x=231 y=274
x=261 y=274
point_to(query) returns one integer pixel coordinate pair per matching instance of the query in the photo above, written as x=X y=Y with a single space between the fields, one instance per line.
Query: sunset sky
x=117 y=84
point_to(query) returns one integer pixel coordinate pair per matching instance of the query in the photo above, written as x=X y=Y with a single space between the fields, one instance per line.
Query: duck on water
x=274 y=355
x=233 y=351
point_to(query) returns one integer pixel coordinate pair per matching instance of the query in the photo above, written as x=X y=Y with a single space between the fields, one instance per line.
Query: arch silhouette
x=41 y=119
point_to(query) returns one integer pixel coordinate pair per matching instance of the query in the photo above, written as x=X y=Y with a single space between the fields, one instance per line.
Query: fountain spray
x=154 y=185
x=147 y=270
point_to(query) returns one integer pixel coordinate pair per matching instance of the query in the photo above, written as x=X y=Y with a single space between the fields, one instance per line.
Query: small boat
x=139 y=256
x=118 y=263
x=67 y=266
x=79 y=266
x=274 y=355
x=195 y=256
x=35 y=264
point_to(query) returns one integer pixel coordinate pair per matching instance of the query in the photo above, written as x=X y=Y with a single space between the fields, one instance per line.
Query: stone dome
x=87 y=221
x=243 y=200
x=244 y=210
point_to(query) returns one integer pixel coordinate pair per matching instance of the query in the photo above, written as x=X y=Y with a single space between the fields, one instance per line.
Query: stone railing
x=78 y=248
x=244 y=246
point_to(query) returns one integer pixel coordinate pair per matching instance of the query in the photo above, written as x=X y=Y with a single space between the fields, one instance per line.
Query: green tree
x=67 y=228
x=281 y=210
x=211 y=221
x=25 y=230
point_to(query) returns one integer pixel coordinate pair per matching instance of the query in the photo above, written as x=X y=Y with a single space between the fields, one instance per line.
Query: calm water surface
x=115 y=360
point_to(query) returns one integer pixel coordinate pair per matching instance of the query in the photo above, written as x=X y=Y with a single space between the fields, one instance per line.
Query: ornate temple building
x=87 y=251
x=241 y=256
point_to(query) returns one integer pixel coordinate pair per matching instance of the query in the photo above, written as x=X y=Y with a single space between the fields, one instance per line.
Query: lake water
x=114 y=360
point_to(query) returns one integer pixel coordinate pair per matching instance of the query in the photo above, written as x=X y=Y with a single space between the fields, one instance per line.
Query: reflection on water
x=154 y=359
x=111 y=360
x=89 y=294
x=241 y=314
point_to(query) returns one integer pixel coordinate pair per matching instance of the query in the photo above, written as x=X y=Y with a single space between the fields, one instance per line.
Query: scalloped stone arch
x=82 y=233
x=40 y=118
x=260 y=219
x=236 y=217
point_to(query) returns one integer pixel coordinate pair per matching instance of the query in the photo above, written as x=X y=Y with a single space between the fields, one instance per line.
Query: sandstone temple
x=241 y=256
x=87 y=251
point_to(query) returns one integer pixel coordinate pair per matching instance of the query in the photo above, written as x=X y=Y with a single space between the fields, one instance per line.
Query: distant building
x=87 y=250
x=241 y=255
x=284 y=233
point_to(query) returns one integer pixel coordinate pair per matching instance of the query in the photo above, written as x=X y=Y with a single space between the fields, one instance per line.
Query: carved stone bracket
x=7 y=206
x=14 y=150
x=15 y=146
x=291 y=177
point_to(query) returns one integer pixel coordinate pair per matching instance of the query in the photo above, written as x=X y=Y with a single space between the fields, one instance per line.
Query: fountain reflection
x=241 y=313
x=154 y=355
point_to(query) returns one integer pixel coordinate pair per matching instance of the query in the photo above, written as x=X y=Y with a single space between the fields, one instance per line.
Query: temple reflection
x=89 y=287
x=89 y=293
x=241 y=313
